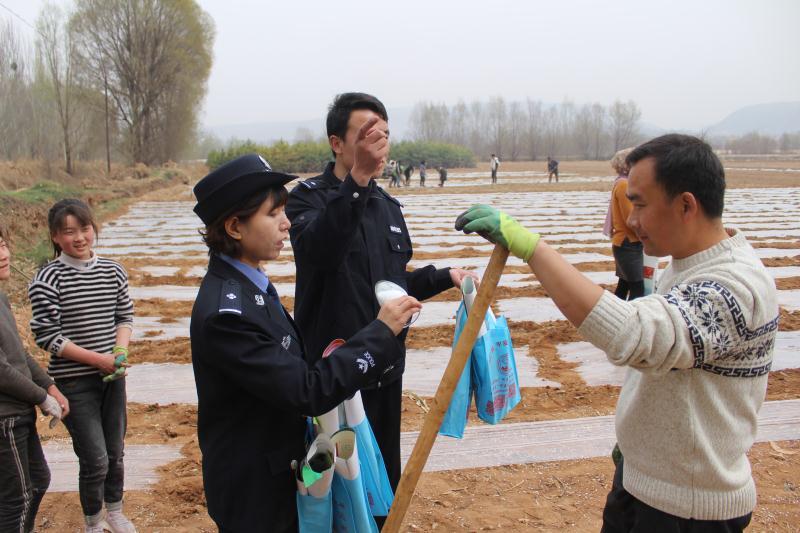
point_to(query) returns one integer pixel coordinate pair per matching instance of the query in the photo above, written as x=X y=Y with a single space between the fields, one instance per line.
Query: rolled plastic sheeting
x=469 y=292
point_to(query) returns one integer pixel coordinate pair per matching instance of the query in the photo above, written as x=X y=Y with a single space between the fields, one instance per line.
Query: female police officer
x=253 y=384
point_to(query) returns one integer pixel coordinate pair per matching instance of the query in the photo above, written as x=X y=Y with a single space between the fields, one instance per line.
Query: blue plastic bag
x=494 y=371
x=351 y=513
x=455 y=419
x=314 y=477
x=377 y=488
x=315 y=514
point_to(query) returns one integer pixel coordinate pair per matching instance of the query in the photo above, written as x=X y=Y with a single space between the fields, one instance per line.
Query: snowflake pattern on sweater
x=721 y=339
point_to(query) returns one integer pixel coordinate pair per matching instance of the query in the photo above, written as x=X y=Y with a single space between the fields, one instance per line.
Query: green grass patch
x=43 y=192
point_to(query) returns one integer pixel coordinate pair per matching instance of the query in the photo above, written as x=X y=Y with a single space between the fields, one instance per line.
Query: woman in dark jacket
x=253 y=383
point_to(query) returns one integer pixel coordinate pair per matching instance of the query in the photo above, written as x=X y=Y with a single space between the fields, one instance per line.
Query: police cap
x=232 y=183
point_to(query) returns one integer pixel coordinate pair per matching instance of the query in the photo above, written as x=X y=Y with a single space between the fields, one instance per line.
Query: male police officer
x=347 y=234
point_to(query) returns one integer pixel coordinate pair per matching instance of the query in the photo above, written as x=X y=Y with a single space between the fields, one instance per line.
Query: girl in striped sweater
x=83 y=316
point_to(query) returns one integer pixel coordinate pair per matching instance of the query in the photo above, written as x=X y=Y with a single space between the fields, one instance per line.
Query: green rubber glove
x=120 y=371
x=499 y=228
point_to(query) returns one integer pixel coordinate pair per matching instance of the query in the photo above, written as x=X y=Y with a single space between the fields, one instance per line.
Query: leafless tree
x=598 y=129
x=583 y=131
x=56 y=51
x=458 y=129
x=516 y=130
x=155 y=56
x=497 y=115
x=534 y=127
x=624 y=120
x=15 y=93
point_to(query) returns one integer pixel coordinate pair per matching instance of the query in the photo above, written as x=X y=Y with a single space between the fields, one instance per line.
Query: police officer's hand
x=457 y=276
x=372 y=148
x=397 y=313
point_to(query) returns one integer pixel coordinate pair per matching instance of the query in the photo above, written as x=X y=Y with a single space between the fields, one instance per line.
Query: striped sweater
x=83 y=302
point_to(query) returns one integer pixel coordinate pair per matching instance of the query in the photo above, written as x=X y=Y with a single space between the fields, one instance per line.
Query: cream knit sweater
x=699 y=352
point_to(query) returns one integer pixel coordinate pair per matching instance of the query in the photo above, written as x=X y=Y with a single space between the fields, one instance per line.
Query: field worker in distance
x=699 y=349
x=494 y=164
x=442 y=175
x=407 y=173
x=423 y=172
x=552 y=169
x=83 y=316
x=625 y=246
x=24 y=475
x=254 y=386
x=347 y=235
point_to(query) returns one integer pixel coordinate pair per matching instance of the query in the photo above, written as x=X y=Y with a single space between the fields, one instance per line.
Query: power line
x=18 y=16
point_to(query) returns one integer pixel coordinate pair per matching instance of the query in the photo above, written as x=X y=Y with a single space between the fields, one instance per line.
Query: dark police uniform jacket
x=346 y=238
x=253 y=385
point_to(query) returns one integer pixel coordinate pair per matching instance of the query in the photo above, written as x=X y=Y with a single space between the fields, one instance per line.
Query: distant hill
x=267 y=132
x=772 y=119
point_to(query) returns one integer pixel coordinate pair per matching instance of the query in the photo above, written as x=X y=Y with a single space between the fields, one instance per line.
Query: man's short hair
x=344 y=104
x=685 y=164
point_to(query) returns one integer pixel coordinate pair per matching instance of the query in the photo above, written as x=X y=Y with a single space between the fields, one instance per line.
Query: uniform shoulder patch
x=389 y=196
x=314 y=183
x=230 y=298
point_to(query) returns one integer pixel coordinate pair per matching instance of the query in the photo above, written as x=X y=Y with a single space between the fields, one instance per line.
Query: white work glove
x=51 y=407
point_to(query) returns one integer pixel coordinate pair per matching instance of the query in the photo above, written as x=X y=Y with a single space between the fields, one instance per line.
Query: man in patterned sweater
x=698 y=350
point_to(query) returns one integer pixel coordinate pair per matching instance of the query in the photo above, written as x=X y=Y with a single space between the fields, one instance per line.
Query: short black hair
x=684 y=163
x=344 y=104
x=214 y=234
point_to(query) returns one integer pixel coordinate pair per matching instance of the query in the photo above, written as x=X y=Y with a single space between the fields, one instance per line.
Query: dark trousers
x=24 y=475
x=625 y=514
x=494 y=175
x=629 y=290
x=383 y=407
x=97 y=422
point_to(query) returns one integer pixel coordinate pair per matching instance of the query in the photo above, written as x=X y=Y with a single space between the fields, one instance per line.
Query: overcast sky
x=686 y=63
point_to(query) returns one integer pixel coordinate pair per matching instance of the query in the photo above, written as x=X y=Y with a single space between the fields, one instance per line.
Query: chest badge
x=286 y=342
x=395 y=229
x=230 y=296
x=259 y=299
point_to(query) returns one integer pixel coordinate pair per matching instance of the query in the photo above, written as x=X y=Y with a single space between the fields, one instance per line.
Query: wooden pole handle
x=433 y=420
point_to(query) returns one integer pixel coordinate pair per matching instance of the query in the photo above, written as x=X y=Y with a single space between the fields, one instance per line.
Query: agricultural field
x=547 y=467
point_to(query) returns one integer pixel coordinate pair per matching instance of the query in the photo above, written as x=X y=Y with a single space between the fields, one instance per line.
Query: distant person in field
x=394 y=176
x=442 y=176
x=422 y=173
x=407 y=173
x=699 y=348
x=552 y=169
x=494 y=164
x=627 y=248
x=397 y=173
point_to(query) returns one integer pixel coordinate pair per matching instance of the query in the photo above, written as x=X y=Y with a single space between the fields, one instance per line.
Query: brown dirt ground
x=555 y=496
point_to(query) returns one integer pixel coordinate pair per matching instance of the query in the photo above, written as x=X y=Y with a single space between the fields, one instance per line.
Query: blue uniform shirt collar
x=258 y=277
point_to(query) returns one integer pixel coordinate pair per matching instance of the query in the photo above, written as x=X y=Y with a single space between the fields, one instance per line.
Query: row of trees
x=530 y=129
x=312 y=156
x=121 y=77
x=757 y=143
